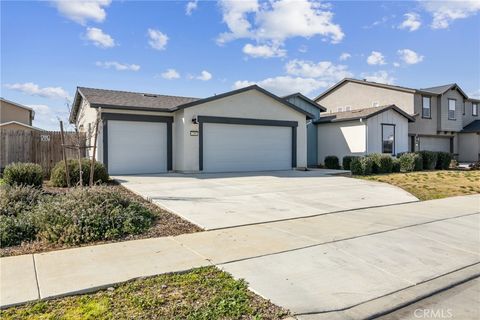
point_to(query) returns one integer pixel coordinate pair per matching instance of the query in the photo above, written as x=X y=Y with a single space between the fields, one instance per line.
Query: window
x=348 y=108
x=339 y=109
x=463 y=108
x=375 y=104
x=388 y=138
x=452 y=106
x=475 y=109
x=426 y=109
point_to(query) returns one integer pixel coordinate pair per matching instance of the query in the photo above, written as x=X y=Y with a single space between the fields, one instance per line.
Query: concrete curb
x=397 y=300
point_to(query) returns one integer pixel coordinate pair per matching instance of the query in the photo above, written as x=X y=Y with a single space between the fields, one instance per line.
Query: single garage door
x=136 y=147
x=235 y=147
x=435 y=144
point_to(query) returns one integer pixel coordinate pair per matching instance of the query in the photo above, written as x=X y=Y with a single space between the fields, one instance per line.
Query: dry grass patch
x=428 y=185
x=203 y=293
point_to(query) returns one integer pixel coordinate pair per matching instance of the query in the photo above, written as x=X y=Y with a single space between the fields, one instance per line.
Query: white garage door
x=435 y=144
x=137 y=147
x=232 y=147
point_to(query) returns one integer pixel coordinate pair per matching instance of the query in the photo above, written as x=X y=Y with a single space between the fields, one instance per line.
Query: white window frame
x=454 y=109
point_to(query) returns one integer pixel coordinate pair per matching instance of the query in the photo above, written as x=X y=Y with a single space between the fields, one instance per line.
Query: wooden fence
x=42 y=147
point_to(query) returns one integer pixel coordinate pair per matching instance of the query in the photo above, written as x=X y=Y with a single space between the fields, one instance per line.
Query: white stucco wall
x=341 y=139
x=249 y=104
x=374 y=131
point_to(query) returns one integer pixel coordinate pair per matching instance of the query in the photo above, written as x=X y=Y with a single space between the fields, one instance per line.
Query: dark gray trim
x=246 y=121
x=394 y=137
x=252 y=87
x=142 y=118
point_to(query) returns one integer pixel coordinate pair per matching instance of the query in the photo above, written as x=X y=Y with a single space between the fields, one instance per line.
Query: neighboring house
x=469 y=142
x=440 y=113
x=16 y=116
x=249 y=129
x=382 y=129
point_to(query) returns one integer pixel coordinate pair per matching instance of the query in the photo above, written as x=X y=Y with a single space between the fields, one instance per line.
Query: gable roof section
x=306 y=99
x=472 y=127
x=111 y=99
x=20 y=124
x=361 y=114
x=442 y=89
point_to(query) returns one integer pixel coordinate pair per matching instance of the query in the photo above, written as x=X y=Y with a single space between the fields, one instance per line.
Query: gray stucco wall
x=424 y=125
x=468 y=147
x=468 y=117
x=451 y=125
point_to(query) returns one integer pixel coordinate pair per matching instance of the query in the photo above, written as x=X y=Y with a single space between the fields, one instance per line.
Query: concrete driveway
x=214 y=201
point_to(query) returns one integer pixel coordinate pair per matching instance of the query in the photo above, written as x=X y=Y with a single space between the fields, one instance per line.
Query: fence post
x=67 y=174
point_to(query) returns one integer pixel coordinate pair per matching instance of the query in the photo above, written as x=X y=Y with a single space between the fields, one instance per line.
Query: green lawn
x=203 y=293
x=427 y=185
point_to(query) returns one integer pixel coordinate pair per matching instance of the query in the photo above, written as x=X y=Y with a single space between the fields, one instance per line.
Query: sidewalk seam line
x=36 y=276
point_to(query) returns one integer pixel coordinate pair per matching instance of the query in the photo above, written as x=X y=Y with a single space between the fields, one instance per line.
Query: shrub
x=361 y=166
x=410 y=162
x=429 y=159
x=16 y=218
x=346 y=161
x=443 y=160
x=382 y=163
x=29 y=174
x=89 y=214
x=395 y=165
x=474 y=166
x=331 y=162
x=58 y=178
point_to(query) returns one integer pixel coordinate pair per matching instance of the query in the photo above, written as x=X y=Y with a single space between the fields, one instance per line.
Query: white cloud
x=344 y=56
x=445 y=12
x=396 y=64
x=303 y=49
x=33 y=89
x=382 y=21
x=170 y=74
x=380 y=77
x=409 y=56
x=264 y=51
x=376 y=58
x=204 y=76
x=118 y=66
x=412 y=21
x=190 y=7
x=99 y=38
x=475 y=94
x=48 y=118
x=323 y=70
x=82 y=11
x=158 y=40
x=284 y=85
x=276 y=21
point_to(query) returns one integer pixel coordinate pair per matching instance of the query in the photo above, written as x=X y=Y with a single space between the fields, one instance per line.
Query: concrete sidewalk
x=317 y=264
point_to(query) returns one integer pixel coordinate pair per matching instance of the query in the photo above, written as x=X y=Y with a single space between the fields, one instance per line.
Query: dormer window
x=452 y=107
x=426 y=108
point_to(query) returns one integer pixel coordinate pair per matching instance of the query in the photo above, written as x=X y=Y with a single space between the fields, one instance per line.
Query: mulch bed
x=166 y=224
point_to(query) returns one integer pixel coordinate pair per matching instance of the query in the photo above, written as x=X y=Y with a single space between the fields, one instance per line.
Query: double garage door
x=136 y=147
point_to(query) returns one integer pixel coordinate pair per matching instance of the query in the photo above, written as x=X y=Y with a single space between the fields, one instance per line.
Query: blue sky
x=197 y=48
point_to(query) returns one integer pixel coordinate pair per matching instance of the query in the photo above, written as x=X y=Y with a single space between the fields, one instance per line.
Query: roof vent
x=150 y=95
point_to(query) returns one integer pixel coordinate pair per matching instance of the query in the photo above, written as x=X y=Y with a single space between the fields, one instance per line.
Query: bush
x=410 y=162
x=28 y=174
x=474 y=166
x=58 y=178
x=382 y=163
x=331 y=162
x=16 y=218
x=429 y=159
x=443 y=160
x=395 y=165
x=346 y=161
x=361 y=166
x=89 y=214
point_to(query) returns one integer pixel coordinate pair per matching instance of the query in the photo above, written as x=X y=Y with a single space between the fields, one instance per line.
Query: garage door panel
x=136 y=147
x=230 y=148
x=435 y=144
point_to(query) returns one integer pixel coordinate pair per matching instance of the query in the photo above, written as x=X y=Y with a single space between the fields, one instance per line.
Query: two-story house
x=446 y=119
x=15 y=116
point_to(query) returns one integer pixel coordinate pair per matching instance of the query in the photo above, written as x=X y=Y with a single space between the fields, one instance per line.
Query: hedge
x=361 y=166
x=382 y=163
x=346 y=161
x=429 y=159
x=331 y=162
x=58 y=178
x=410 y=162
x=27 y=174
x=443 y=160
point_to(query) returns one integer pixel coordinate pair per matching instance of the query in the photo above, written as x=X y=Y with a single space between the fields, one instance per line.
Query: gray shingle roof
x=102 y=97
x=360 y=114
x=472 y=127
x=439 y=89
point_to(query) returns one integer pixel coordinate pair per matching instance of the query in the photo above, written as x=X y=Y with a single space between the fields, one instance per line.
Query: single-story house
x=248 y=129
x=469 y=142
x=382 y=129
x=15 y=125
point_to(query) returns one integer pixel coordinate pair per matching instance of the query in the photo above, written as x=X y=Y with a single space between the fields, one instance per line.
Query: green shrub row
x=331 y=162
x=81 y=215
x=58 y=177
